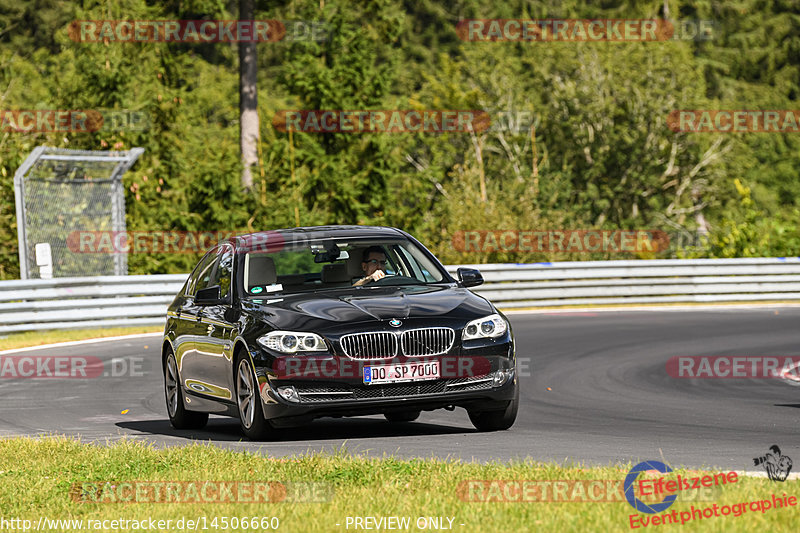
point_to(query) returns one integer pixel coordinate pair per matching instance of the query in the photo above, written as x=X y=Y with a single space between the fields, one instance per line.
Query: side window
x=418 y=265
x=222 y=274
x=406 y=265
x=202 y=273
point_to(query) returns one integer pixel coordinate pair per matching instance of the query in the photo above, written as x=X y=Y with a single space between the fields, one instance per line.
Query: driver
x=373 y=263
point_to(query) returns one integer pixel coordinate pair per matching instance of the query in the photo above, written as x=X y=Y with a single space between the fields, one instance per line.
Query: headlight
x=292 y=342
x=485 y=328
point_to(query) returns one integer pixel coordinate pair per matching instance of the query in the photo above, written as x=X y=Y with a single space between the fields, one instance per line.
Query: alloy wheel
x=245 y=391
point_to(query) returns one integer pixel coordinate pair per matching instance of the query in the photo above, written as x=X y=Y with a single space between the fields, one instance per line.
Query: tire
x=179 y=416
x=248 y=401
x=405 y=416
x=496 y=420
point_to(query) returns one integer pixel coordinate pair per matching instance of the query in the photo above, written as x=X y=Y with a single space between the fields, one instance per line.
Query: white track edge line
x=645 y=308
x=78 y=343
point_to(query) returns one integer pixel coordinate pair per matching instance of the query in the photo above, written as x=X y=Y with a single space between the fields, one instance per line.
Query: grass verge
x=38 y=338
x=38 y=474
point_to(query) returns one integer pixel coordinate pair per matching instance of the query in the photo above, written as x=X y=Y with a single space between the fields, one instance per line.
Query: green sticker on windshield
x=256 y=290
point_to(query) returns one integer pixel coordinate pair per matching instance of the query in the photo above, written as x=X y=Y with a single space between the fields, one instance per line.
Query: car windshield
x=329 y=264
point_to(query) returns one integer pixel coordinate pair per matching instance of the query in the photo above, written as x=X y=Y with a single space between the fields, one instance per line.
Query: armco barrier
x=99 y=301
x=142 y=300
x=640 y=281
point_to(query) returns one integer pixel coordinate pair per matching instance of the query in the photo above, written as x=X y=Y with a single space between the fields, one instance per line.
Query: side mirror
x=208 y=296
x=469 y=277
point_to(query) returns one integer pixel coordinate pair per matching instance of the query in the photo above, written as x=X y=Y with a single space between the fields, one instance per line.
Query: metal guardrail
x=98 y=301
x=640 y=282
x=28 y=305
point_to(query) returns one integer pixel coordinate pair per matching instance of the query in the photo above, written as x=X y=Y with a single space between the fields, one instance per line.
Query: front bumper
x=319 y=398
x=332 y=384
x=282 y=413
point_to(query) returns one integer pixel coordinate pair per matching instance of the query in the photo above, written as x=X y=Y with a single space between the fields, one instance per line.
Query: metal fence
x=142 y=300
x=59 y=192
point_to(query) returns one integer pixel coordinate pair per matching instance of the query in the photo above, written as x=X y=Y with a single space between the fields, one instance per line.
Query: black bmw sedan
x=281 y=327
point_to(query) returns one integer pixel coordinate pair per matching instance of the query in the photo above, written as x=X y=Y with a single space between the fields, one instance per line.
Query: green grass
x=37 y=338
x=36 y=477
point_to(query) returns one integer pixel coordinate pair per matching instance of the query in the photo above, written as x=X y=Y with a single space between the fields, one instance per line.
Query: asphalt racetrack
x=595 y=390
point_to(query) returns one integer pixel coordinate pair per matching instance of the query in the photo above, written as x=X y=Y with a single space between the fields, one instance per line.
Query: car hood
x=334 y=307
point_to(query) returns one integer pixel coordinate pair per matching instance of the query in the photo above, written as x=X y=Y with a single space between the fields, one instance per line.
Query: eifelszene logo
x=630 y=483
x=777 y=466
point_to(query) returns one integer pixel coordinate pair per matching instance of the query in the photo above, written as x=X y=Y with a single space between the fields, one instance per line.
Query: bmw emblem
x=395 y=323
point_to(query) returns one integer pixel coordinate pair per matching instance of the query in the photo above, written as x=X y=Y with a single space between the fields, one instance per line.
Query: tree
x=248 y=99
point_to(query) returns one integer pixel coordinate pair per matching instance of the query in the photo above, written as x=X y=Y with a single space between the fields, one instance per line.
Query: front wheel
x=248 y=398
x=179 y=417
x=496 y=420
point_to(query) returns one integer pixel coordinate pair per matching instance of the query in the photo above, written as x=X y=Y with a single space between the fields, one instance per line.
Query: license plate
x=374 y=375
